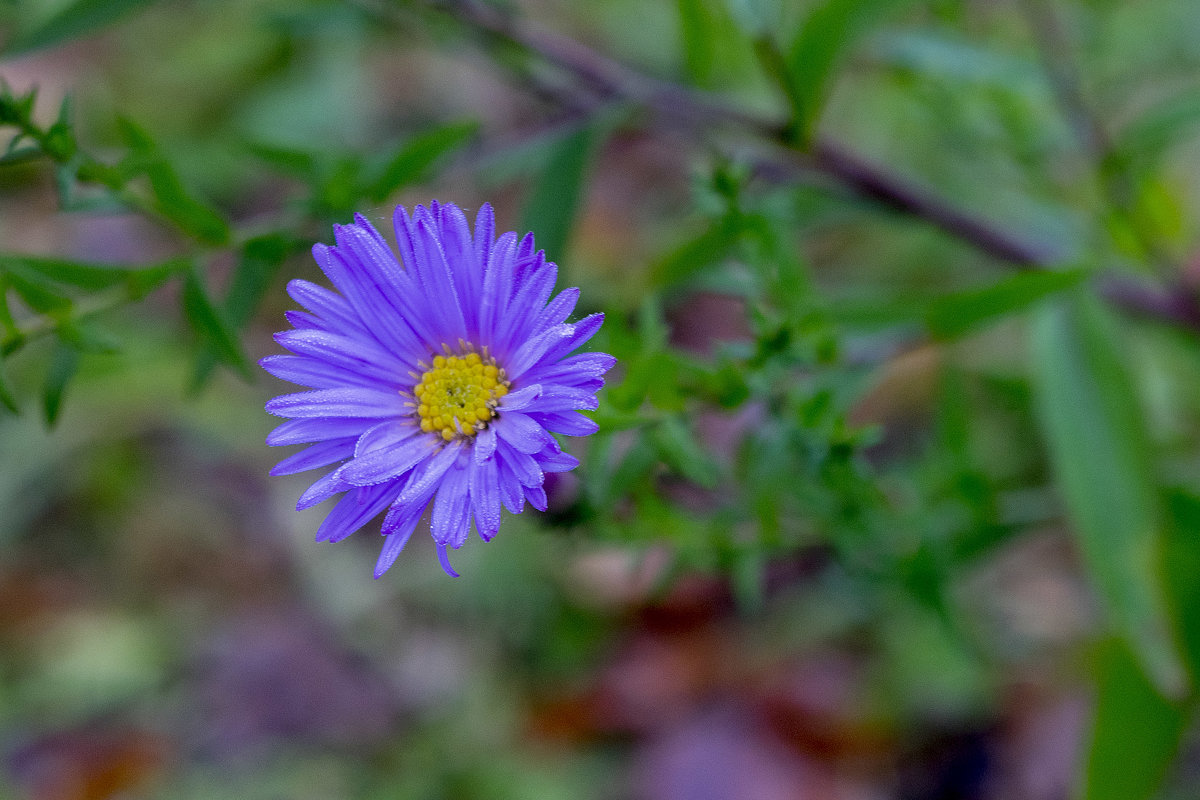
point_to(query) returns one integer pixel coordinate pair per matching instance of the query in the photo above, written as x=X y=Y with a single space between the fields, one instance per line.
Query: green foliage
x=859 y=358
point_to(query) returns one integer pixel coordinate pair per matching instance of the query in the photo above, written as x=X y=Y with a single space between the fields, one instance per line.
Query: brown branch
x=612 y=81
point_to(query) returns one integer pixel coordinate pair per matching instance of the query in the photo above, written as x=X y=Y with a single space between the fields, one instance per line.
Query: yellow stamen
x=459 y=394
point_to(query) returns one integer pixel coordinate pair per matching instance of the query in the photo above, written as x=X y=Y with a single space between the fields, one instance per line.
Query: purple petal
x=556 y=312
x=321 y=454
x=521 y=398
x=523 y=465
x=313 y=373
x=583 y=330
x=451 y=519
x=347 y=402
x=395 y=539
x=444 y=557
x=356 y=509
x=484 y=486
x=511 y=494
x=485 y=444
x=568 y=423
x=388 y=462
x=536 y=348
x=425 y=478
x=552 y=461
x=321 y=490
x=536 y=496
x=304 y=431
x=523 y=433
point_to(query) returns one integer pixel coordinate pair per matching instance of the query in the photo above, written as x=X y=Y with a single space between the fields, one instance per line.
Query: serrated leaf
x=1097 y=448
x=951 y=316
x=413 y=160
x=63 y=366
x=210 y=324
x=825 y=37
x=1135 y=731
x=77 y=19
x=551 y=209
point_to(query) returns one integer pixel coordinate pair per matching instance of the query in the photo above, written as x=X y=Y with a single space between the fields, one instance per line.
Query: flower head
x=436 y=379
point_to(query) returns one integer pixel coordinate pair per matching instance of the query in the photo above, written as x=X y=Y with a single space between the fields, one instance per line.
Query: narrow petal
x=389 y=462
x=356 y=509
x=536 y=348
x=485 y=444
x=322 y=489
x=333 y=309
x=556 y=311
x=568 y=423
x=304 y=431
x=451 y=519
x=344 y=402
x=484 y=486
x=583 y=330
x=444 y=557
x=564 y=398
x=424 y=480
x=523 y=465
x=313 y=373
x=511 y=494
x=396 y=536
x=523 y=433
x=314 y=456
x=551 y=461
x=385 y=434
x=536 y=496
x=521 y=398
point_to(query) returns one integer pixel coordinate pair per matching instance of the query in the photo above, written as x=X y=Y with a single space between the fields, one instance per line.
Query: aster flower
x=436 y=379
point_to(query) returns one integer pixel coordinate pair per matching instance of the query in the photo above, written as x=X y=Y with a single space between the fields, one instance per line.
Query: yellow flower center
x=459 y=394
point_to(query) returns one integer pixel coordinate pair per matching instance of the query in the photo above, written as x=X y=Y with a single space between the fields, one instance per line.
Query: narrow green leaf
x=172 y=200
x=6 y=396
x=91 y=277
x=1097 y=448
x=36 y=294
x=694 y=255
x=696 y=30
x=679 y=450
x=825 y=37
x=1162 y=125
x=1135 y=731
x=298 y=163
x=260 y=260
x=77 y=19
x=63 y=366
x=551 y=209
x=210 y=324
x=413 y=160
x=951 y=316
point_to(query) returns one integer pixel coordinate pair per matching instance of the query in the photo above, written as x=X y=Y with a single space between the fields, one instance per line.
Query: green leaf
x=77 y=19
x=91 y=277
x=951 y=316
x=413 y=160
x=260 y=260
x=825 y=37
x=6 y=396
x=63 y=366
x=696 y=29
x=171 y=198
x=1161 y=126
x=1135 y=731
x=690 y=258
x=1097 y=448
x=35 y=293
x=551 y=209
x=209 y=323
x=298 y=163
x=680 y=451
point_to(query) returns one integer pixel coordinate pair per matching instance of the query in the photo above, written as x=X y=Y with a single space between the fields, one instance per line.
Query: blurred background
x=895 y=493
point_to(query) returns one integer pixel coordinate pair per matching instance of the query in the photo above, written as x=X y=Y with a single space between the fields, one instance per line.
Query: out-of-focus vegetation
x=896 y=493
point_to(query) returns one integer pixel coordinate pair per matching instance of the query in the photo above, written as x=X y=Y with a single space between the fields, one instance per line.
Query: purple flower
x=439 y=382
